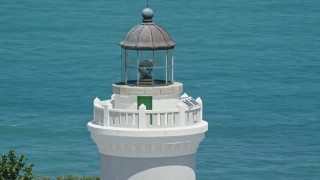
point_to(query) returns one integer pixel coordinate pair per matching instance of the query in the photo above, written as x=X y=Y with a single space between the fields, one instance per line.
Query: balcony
x=106 y=115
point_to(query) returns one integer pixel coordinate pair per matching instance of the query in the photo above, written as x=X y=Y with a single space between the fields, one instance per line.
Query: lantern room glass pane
x=129 y=67
x=145 y=55
x=123 y=67
x=160 y=58
x=170 y=66
x=147 y=67
x=132 y=76
x=160 y=63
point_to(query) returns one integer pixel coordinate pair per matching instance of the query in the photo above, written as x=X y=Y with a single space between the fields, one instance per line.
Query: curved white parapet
x=127 y=142
x=182 y=115
x=160 y=132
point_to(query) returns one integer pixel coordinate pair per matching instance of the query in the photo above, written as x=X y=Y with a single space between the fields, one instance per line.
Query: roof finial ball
x=147 y=14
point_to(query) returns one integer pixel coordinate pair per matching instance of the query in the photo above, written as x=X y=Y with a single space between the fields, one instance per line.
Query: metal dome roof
x=147 y=35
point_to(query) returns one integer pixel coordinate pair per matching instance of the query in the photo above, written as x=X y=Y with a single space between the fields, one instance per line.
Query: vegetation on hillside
x=15 y=168
x=70 y=177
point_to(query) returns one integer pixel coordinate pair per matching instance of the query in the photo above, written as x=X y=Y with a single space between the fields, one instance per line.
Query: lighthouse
x=149 y=129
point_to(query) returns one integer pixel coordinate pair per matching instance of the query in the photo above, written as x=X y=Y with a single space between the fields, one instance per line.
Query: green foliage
x=14 y=168
x=70 y=177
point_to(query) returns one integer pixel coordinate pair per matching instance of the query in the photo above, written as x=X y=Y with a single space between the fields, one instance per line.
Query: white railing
x=105 y=115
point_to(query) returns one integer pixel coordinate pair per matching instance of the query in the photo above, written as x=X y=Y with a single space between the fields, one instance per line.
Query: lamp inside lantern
x=145 y=69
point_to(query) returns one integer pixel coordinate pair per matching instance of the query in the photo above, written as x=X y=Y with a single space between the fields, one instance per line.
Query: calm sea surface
x=255 y=64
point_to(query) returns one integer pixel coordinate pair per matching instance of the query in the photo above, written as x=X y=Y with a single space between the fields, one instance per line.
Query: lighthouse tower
x=149 y=129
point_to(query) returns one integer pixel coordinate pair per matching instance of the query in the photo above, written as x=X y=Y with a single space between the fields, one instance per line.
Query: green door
x=147 y=101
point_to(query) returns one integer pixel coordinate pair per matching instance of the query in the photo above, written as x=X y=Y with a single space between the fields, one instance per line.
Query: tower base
x=162 y=168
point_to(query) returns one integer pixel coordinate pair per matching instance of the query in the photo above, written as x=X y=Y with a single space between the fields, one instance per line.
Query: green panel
x=147 y=101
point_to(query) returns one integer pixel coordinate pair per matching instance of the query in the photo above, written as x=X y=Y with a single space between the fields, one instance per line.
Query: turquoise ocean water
x=255 y=64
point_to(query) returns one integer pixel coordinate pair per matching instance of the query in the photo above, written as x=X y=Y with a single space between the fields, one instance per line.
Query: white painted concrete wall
x=165 y=168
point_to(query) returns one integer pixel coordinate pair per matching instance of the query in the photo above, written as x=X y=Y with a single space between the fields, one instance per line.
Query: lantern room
x=147 y=54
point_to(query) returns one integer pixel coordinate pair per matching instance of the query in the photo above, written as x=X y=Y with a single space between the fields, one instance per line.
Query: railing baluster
x=142 y=116
x=106 y=114
x=199 y=100
x=133 y=119
x=166 y=119
x=127 y=119
x=182 y=114
x=160 y=124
